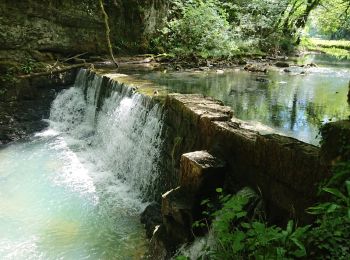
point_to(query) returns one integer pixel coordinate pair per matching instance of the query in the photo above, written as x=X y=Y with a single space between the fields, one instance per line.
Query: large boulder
x=336 y=141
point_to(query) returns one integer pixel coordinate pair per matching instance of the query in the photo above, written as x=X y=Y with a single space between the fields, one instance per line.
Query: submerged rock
x=262 y=80
x=312 y=65
x=151 y=217
x=282 y=64
x=255 y=68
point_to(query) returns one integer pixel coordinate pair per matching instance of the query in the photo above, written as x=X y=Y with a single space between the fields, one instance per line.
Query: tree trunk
x=108 y=31
x=311 y=5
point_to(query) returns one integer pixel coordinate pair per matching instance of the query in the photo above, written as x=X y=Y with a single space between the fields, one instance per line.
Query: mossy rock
x=8 y=66
x=41 y=56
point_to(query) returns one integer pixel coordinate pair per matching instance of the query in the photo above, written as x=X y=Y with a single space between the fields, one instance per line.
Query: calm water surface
x=295 y=104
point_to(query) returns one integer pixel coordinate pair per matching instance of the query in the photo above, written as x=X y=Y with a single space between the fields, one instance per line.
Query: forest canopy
x=214 y=28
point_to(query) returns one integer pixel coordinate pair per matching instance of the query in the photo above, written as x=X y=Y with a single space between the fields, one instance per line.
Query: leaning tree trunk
x=108 y=31
x=311 y=5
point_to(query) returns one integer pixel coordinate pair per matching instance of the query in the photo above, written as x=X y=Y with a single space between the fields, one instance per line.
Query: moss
x=8 y=66
x=177 y=142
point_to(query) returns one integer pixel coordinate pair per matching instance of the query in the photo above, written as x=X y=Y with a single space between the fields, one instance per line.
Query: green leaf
x=237 y=241
x=319 y=209
x=219 y=190
x=204 y=202
x=302 y=251
x=245 y=225
x=347 y=184
x=335 y=192
x=290 y=226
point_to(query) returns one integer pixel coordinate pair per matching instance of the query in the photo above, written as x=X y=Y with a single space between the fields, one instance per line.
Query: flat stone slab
x=203 y=107
x=203 y=159
x=201 y=170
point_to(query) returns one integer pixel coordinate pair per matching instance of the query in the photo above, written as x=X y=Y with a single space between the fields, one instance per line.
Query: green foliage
x=201 y=28
x=331 y=20
x=240 y=233
x=28 y=66
x=257 y=22
x=241 y=237
x=224 y=28
x=330 y=238
x=339 y=49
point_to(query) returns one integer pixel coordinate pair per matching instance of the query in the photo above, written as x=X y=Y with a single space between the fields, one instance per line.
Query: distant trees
x=205 y=26
x=332 y=19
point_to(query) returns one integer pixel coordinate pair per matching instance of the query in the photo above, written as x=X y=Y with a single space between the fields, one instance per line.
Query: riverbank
x=337 y=48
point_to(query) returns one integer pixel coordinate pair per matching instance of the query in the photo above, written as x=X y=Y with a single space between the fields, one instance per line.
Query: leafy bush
x=239 y=236
x=199 y=28
x=28 y=66
x=239 y=232
x=330 y=238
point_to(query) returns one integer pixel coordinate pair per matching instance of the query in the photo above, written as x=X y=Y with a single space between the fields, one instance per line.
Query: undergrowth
x=238 y=232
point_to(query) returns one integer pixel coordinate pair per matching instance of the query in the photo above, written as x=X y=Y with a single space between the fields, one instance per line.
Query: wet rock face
x=48 y=26
x=200 y=174
x=151 y=217
x=177 y=213
x=36 y=28
x=25 y=103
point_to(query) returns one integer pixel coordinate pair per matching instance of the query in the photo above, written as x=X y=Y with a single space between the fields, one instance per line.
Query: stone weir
x=207 y=148
x=204 y=147
x=286 y=171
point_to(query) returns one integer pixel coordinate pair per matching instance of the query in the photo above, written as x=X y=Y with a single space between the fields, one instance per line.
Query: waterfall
x=119 y=129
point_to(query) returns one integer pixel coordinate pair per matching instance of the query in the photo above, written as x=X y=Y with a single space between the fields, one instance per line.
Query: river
x=294 y=103
x=75 y=190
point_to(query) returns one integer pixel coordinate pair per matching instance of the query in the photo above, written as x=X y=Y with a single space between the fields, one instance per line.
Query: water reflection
x=295 y=103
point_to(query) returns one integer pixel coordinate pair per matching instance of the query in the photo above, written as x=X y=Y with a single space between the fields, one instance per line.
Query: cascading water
x=122 y=136
x=75 y=191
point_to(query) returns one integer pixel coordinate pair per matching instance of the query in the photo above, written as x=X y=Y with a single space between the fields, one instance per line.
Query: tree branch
x=46 y=73
x=108 y=31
